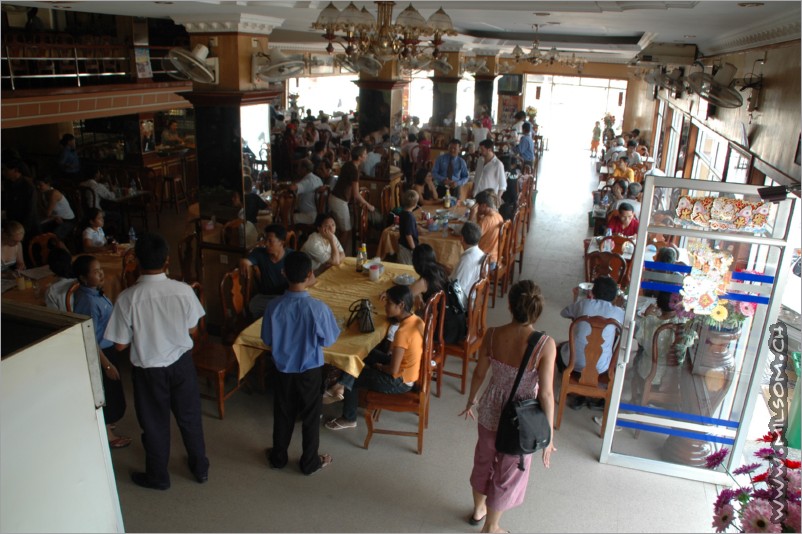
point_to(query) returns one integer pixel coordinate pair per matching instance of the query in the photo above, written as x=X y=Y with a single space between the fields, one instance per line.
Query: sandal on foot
x=325 y=461
x=120 y=442
x=340 y=424
x=331 y=398
x=473 y=521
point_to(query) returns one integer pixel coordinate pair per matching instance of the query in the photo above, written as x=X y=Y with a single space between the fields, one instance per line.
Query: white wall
x=55 y=465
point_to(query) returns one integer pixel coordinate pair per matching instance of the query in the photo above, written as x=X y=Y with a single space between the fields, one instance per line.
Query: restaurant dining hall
x=400 y=267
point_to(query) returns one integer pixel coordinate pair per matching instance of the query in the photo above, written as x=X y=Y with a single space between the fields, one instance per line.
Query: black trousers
x=157 y=392
x=114 y=409
x=298 y=394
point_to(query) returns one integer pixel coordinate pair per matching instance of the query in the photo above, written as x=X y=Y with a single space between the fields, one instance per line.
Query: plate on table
x=586 y=286
x=442 y=212
x=404 y=279
x=469 y=202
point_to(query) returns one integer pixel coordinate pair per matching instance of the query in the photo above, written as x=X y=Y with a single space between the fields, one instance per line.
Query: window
x=737 y=167
x=710 y=157
x=331 y=94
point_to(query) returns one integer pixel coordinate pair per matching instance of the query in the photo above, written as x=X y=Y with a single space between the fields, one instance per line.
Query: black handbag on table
x=362 y=312
x=523 y=427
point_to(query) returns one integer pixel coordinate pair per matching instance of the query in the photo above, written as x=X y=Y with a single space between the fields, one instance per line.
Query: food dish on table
x=404 y=279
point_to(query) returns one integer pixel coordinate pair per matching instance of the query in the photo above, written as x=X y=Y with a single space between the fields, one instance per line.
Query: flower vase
x=703 y=386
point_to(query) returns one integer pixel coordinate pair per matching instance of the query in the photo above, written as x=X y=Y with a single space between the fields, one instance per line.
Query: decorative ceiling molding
x=787 y=31
x=234 y=22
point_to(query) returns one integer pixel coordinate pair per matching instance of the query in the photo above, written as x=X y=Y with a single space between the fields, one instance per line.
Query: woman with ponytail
x=497 y=483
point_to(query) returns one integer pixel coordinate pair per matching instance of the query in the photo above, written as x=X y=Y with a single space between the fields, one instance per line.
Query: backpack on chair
x=455 y=323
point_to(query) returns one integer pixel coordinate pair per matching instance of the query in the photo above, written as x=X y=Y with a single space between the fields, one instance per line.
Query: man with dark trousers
x=297 y=327
x=156 y=317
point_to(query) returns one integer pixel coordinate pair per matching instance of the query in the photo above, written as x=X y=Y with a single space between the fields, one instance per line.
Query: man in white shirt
x=633 y=190
x=156 y=317
x=489 y=171
x=616 y=151
x=632 y=154
x=305 y=189
x=371 y=160
x=469 y=268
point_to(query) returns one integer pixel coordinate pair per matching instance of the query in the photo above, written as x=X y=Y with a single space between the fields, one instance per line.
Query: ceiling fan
x=716 y=89
x=362 y=63
x=194 y=65
x=275 y=66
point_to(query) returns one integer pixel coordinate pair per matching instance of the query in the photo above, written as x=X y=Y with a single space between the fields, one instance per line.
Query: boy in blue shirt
x=297 y=327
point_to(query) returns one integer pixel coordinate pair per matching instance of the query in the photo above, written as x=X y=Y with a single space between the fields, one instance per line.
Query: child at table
x=60 y=262
x=407 y=227
x=90 y=300
x=94 y=238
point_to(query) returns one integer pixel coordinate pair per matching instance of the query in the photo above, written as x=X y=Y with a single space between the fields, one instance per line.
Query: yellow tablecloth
x=338 y=287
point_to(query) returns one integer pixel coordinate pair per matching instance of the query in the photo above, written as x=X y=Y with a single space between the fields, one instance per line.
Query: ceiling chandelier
x=366 y=39
x=536 y=56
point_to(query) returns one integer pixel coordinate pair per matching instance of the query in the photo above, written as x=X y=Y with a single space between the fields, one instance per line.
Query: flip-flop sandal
x=331 y=398
x=325 y=461
x=120 y=442
x=338 y=424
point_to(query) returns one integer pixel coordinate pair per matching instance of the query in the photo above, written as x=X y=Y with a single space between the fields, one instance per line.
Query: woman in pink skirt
x=497 y=483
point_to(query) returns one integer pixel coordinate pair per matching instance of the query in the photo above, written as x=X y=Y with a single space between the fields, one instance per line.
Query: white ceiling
x=597 y=31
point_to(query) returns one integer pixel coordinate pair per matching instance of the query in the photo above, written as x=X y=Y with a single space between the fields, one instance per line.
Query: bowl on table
x=469 y=202
x=442 y=212
x=404 y=279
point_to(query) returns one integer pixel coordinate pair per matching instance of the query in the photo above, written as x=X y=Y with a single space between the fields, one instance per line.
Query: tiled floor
x=389 y=487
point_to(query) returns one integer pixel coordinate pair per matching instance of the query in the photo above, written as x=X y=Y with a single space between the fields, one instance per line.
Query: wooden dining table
x=111 y=263
x=339 y=287
x=447 y=247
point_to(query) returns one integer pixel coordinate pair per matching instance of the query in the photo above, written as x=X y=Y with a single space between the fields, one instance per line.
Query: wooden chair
x=387 y=204
x=213 y=360
x=285 y=201
x=322 y=199
x=667 y=393
x=233 y=233
x=173 y=192
x=517 y=241
x=361 y=218
x=417 y=400
x=130 y=272
x=500 y=277
x=235 y=294
x=605 y=264
x=40 y=246
x=477 y=325
x=437 y=306
x=190 y=259
x=68 y=297
x=589 y=382
x=141 y=207
x=291 y=241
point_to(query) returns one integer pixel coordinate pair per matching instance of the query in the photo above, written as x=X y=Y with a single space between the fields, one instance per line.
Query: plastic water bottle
x=132 y=236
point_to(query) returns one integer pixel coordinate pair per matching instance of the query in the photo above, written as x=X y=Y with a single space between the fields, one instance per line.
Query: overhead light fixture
x=380 y=38
x=536 y=56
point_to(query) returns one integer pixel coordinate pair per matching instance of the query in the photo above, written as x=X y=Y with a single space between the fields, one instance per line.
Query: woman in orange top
x=485 y=214
x=393 y=372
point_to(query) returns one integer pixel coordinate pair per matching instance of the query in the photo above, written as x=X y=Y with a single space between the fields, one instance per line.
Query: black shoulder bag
x=523 y=427
x=362 y=313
